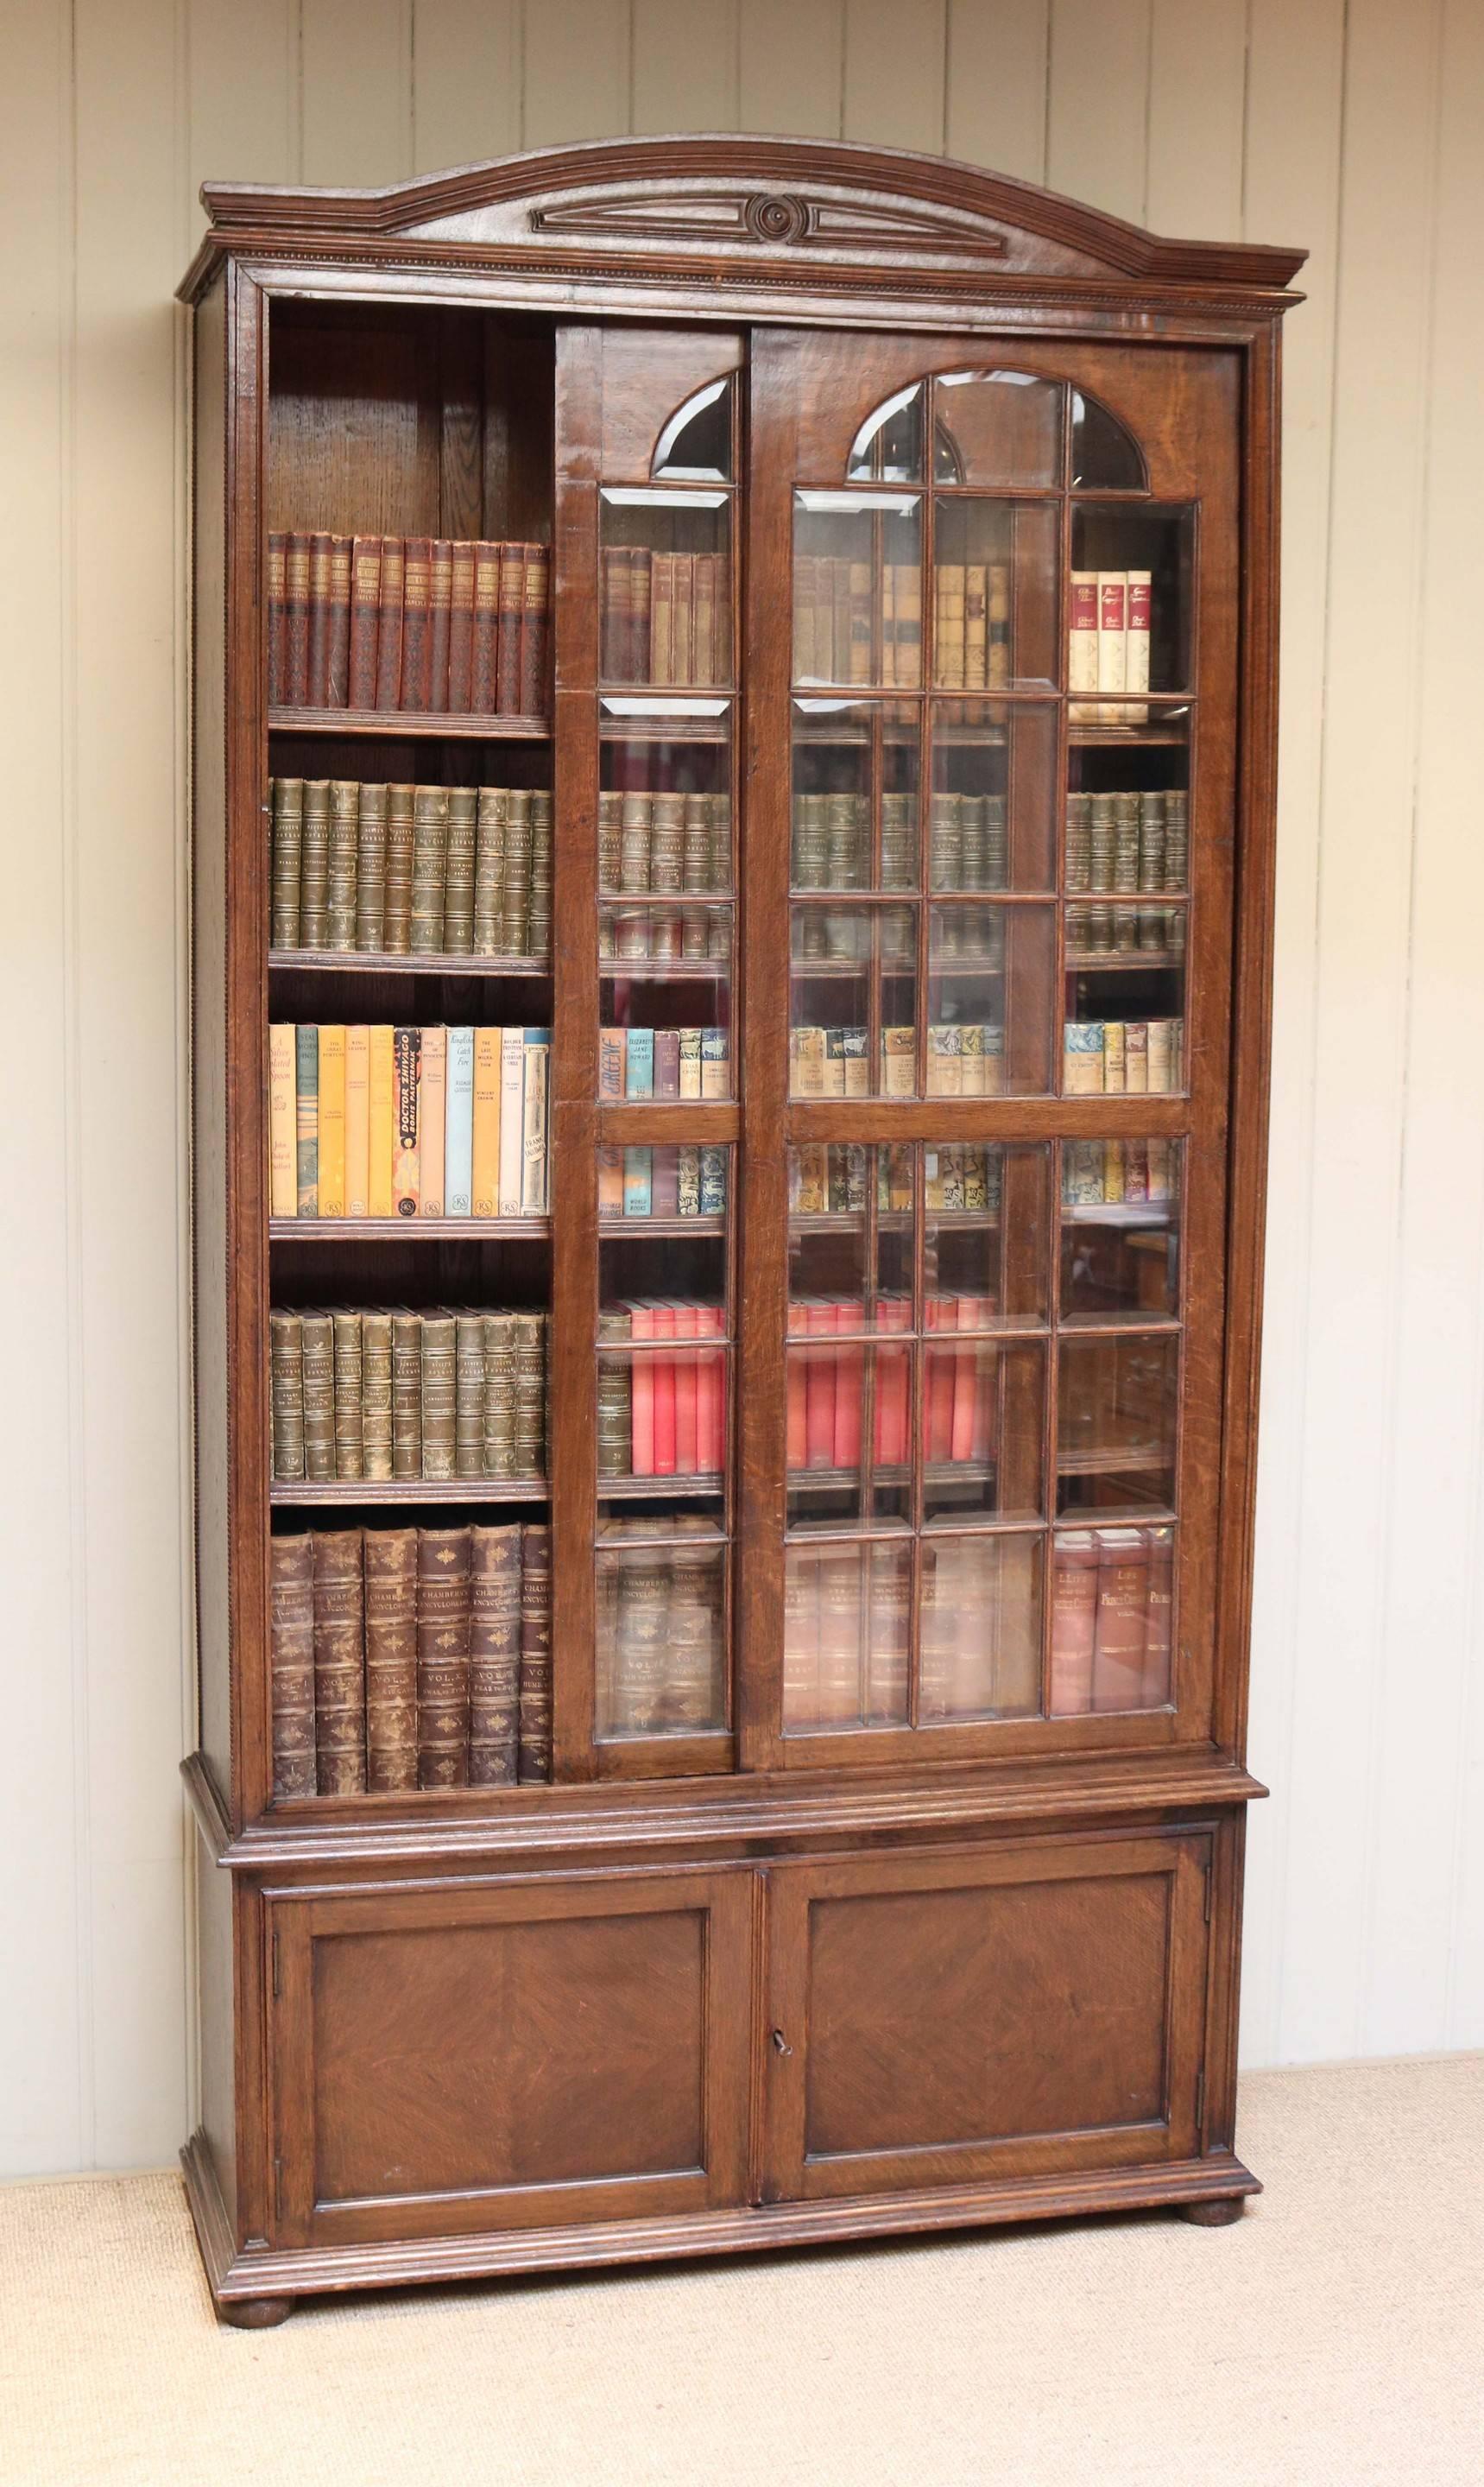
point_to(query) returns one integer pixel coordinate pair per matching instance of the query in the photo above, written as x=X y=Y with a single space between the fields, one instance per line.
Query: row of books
x=1100 y=1173
x=856 y=622
x=410 y=1657
x=669 y=933
x=1112 y=1598
x=1111 y=1057
x=826 y=1385
x=408 y=1122
x=688 y=1062
x=1102 y=931
x=665 y=617
x=660 y=1628
x=846 y=1637
x=668 y=842
x=830 y=1180
x=965 y=1059
x=658 y=1414
x=669 y=1181
x=1109 y=618
x=832 y=841
x=410 y=871
x=1127 y=842
x=415 y=623
x=960 y=935
x=376 y=1395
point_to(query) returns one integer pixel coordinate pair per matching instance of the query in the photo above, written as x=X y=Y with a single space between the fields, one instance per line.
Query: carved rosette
x=776 y=215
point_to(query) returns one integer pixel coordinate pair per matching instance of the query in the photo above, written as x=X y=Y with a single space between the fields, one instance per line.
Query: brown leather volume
x=417 y=616
x=391 y=1659
x=440 y=598
x=336 y=683
x=293 y=1565
x=389 y=625
x=513 y=597
x=365 y=600
x=318 y=675
x=484 y=659
x=462 y=630
x=535 y=1655
x=443 y=1658
x=340 y=1663
x=278 y=619
x=533 y=630
x=296 y=622
x=494 y=1657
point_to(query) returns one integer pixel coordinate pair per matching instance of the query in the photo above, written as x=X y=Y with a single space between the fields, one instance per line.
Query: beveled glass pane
x=995 y=593
x=991 y=971
x=855 y=795
x=846 y=1636
x=1129 y=611
x=982 y=1419
x=985 y=1230
x=1120 y=1229
x=998 y=428
x=1115 y=1422
x=1105 y=457
x=842 y=1398
x=856 y=588
x=1111 y=1607
x=662 y=1408
x=682 y=1182
x=694 y=446
x=832 y=1259
x=665 y=587
x=888 y=448
x=661 y=1661
x=991 y=812
x=980 y=1648
x=851 y=967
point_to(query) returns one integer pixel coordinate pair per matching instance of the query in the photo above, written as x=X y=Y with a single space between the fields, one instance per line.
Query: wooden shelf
x=401 y=725
x=616 y=1230
x=667 y=972
x=407 y=1230
x=1138 y=1457
x=408 y=962
x=294 y=1492
x=1104 y=963
x=635 y=1489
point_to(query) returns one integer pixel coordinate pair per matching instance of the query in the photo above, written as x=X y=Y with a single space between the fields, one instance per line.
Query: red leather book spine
x=893 y=1379
x=965 y=1313
x=1122 y=1619
x=296 y=622
x=440 y=605
x=797 y=1415
x=533 y=630
x=513 y=594
x=337 y=676
x=848 y=1380
x=389 y=625
x=939 y=1414
x=485 y=657
x=417 y=635
x=318 y=677
x=364 y=614
x=462 y=630
x=278 y=620
x=664 y=1368
x=687 y=1324
x=1158 y=1639
x=641 y=1394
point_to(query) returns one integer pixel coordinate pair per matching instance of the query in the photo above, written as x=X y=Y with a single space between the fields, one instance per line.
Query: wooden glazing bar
x=648 y=1125
x=989 y=1118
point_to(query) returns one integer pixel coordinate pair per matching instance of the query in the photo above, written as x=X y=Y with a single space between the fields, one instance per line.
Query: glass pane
x=846 y=1636
x=857 y=589
x=855 y=795
x=1122 y=1057
x=992 y=815
x=995 y=580
x=664 y=609
x=990 y=972
x=842 y=1399
x=684 y=1183
x=664 y=820
x=998 y=428
x=830 y=1260
x=666 y=1022
x=1105 y=457
x=980 y=1653
x=853 y=969
x=985 y=1232
x=1128 y=810
x=888 y=448
x=1115 y=1422
x=1120 y=1229
x=661 y=1631
x=1112 y=1604
x=694 y=446
x=662 y=1408
x=1129 y=617
x=982 y=1419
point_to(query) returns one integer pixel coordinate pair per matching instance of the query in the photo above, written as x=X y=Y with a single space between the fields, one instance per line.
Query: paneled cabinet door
x=527 y=2054
x=960 y=2016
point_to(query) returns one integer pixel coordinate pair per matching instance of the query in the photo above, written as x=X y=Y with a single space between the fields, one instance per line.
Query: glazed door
x=991 y=701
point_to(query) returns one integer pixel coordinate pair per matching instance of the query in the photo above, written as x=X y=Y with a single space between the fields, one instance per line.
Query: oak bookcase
x=916 y=1905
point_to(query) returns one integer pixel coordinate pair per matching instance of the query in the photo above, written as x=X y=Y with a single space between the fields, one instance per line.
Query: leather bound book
x=1074 y=1601
x=343 y=869
x=515 y=891
x=1122 y=1618
x=703 y=620
x=349 y=1460
x=683 y=618
x=397 y=913
x=370 y=883
x=494 y=1656
x=538 y=914
x=376 y=1396
x=534 y=630
x=287 y=799
x=440 y=600
x=469 y=1395
x=406 y=1395
x=529 y=1333
x=285 y=1369
x=662 y=606
x=499 y=1435
x=364 y=614
x=443 y=1658
x=461 y=628
x=315 y=866
x=391 y=1560
x=277 y=588
x=488 y=922
x=318 y=677
x=512 y=601
x=337 y=672
x=439 y=1394
x=485 y=657
x=296 y=583
x=319 y=1372
x=417 y=625
x=389 y=622
x=340 y=1663
x=800 y=1643
x=607 y=614
x=291 y=1607
x=536 y=1720
x=459 y=869
x=429 y=867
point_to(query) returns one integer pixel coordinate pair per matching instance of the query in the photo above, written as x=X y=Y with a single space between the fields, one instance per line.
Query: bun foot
x=255 y=2313
x=1219 y=2213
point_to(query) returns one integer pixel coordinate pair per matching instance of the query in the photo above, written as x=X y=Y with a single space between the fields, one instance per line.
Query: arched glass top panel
x=888 y=448
x=998 y=428
x=694 y=446
x=1105 y=457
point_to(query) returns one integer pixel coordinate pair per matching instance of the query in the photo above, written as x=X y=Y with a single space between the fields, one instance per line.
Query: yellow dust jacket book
x=485 y=1187
x=381 y=1122
x=332 y=1122
x=282 y=1132
x=357 y=1122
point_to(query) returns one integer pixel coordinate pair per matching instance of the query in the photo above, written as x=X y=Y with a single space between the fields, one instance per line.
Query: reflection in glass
x=1105 y=457
x=1115 y=1422
x=843 y=1395
x=661 y=1629
x=998 y=428
x=1120 y=1229
x=857 y=589
x=846 y=1636
x=1126 y=841
x=1111 y=1607
x=992 y=810
x=981 y=1628
x=829 y=1222
x=991 y=974
x=686 y=1181
x=982 y=1410
x=694 y=446
x=661 y=1410
x=665 y=590
x=888 y=448
x=984 y=1231
x=855 y=791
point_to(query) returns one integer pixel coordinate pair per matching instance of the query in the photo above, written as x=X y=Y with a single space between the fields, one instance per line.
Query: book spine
x=287 y=799
x=1122 y=1612
x=343 y=869
x=641 y=611
x=462 y=570
x=285 y=1381
x=331 y=1169
x=416 y=624
x=318 y=662
x=365 y=616
x=443 y=1657
x=337 y=684
x=340 y=1663
x=469 y=1395
x=534 y=630
x=975 y=626
x=1157 y=1689
x=494 y=1657
x=458 y=870
x=1082 y=652
x=349 y=1440
x=283 y=1124
x=430 y=868
x=406 y=1395
x=390 y=591
x=536 y=1702
x=307 y=1120
x=381 y=1120
x=314 y=865
x=370 y=882
x=318 y=1371
x=484 y=1136
x=513 y=1123
x=528 y=1334
x=276 y=588
x=1074 y=1588
x=485 y=654
x=432 y=1122
x=535 y=1087
x=1138 y=600
x=296 y=592
x=1112 y=640
x=358 y=1122
x=406 y=1056
x=500 y=1395
x=512 y=608
x=440 y=1394
x=391 y=1560
x=291 y=1606
x=458 y=1154
x=440 y=602
x=376 y=1396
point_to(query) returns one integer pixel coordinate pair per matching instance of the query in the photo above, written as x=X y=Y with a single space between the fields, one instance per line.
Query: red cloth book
x=642 y=1392
x=712 y=1392
x=819 y=1393
x=663 y=1319
x=687 y=1404
x=1074 y=1599
x=389 y=622
x=849 y=1374
x=893 y=1381
x=484 y=653
x=461 y=628
x=417 y=618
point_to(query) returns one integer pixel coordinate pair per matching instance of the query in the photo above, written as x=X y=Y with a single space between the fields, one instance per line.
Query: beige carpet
x=1335 y=2336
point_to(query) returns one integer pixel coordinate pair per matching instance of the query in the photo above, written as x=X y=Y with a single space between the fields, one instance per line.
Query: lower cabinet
x=578 y=2049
